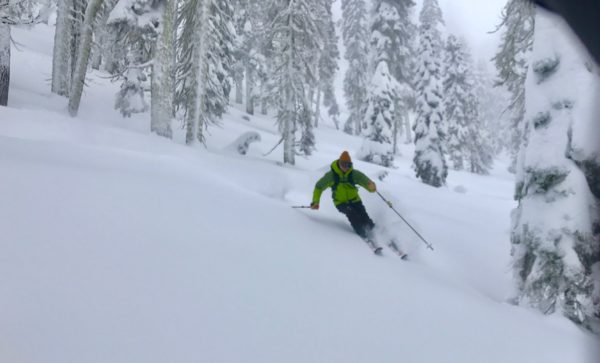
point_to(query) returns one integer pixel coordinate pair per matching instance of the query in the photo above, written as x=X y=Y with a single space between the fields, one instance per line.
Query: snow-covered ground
x=120 y=246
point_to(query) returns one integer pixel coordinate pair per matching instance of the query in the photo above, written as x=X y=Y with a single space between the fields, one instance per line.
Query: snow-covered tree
x=356 y=40
x=83 y=55
x=405 y=74
x=493 y=104
x=15 y=13
x=512 y=62
x=163 y=74
x=130 y=98
x=250 y=63
x=295 y=39
x=205 y=63
x=458 y=101
x=555 y=235
x=389 y=81
x=67 y=39
x=4 y=60
x=103 y=44
x=328 y=64
x=242 y=28
x=467 y=143
x=429 y=161
x=242 y=50
x=379 y=118
x=61 y=60
x=134 y=27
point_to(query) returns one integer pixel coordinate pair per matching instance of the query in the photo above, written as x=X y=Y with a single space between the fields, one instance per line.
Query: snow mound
x=242 y=143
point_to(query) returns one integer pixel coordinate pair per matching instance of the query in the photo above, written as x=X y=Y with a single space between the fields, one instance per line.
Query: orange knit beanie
x=345 y=157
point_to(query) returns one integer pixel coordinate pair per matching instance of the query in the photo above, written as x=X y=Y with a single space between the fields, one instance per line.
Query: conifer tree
x=294 y=38
x=22 y=12
x=467 y=143
x=379 y=118
x=356 y=40
x=555 y=245
x=131 y=97
x=83 y=55
x=63 y=53
x=248 y=60
x=493 y=103
x=206 y=61
x=390 y=80
x=163 y=74
x=133 y=26
x=67 y=39
x=429 y=161
x=147 y=30
x=328 y=63
x=102 y=45
x=456 y=102
x=512 y=63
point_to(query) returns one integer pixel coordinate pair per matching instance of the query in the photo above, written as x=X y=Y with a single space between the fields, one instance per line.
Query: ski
x=394 y=247
x=373 y=246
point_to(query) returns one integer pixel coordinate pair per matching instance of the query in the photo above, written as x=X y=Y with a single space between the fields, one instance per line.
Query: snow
x=242 y=143
x=135 y=12
x=557 y=211
x=122 y=246
x=572 y=84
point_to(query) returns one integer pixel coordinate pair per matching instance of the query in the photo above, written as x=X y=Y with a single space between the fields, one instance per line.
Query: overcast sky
x=469 y=19
x=472 y=20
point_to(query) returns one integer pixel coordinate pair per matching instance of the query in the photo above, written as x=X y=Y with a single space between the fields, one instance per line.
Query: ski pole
x=301 y=206
x=405 y=221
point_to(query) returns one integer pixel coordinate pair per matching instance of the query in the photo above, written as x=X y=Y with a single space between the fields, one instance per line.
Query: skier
x=342 y=179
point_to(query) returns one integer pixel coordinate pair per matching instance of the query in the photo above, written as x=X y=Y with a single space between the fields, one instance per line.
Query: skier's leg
x=354 y=218
x=363 y=218
x=358 y=217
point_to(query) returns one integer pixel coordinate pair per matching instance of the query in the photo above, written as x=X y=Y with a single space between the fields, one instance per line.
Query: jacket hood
x=336 y=169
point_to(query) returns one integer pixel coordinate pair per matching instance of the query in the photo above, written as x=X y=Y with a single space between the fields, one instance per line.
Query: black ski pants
x=358 y=217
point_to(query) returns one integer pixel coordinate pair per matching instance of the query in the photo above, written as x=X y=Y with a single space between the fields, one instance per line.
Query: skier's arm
x=364 y=181
x=325 y=182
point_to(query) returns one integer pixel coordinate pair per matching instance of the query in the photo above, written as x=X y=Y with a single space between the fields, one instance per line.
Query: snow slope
x=120 y=246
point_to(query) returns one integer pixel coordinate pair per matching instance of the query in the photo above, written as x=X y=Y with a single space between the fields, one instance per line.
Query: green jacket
x=345 y=190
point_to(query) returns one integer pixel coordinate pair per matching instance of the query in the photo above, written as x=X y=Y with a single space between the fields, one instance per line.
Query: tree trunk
x=4 y=63
x=202 y=67
x=83 y=58
x=395 y=127
x=77 y=15
x=193 y=103
x=239 y=83
x=407 y=128
x=101 y=43
x=289 y=147
x=96 y=57
x=108 y=63
x=191 y=113
x=61 y=58
x=161 y=109
x=249 y=90
x=318 y=108
x=264 y=106
x=311 y=100
x=288 y=133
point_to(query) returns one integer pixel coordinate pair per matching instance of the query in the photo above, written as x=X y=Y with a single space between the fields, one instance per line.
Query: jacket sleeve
x=325 y=182
x=361 y=179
